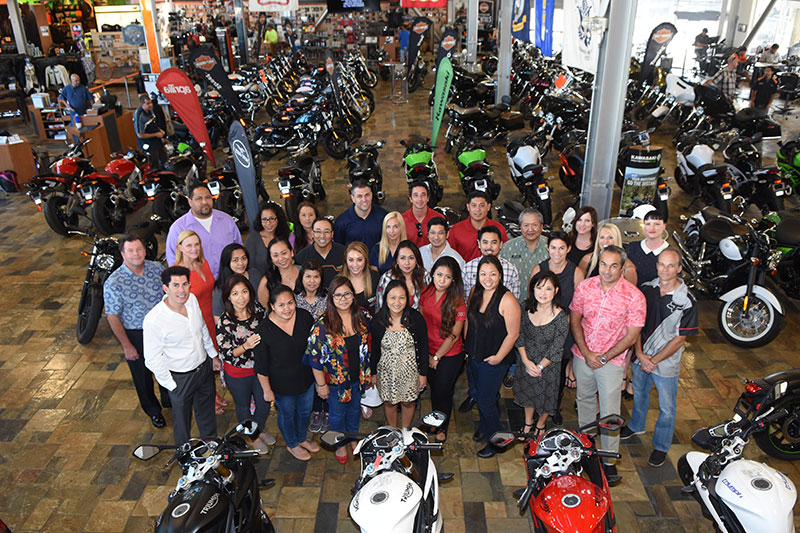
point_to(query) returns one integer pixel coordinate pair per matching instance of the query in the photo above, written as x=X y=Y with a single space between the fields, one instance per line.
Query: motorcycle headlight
x=105 y=261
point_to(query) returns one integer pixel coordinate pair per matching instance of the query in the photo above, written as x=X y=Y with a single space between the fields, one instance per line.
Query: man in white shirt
x=438 y=231
x=177 y=347
x=770 y=55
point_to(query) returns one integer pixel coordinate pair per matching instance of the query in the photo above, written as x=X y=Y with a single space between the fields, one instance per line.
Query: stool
x=399 y=94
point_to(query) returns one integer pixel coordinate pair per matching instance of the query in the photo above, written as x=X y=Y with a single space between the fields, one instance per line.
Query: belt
x=189 y=371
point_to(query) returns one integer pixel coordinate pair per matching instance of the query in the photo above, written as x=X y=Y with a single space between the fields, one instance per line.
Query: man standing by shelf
x=75 y=97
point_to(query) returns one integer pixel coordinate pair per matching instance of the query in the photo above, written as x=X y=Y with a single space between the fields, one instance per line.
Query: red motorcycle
x=561 y=499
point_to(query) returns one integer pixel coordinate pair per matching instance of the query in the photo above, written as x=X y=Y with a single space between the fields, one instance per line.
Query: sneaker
x=625 y=433
x=326 y=425
x=657 y=458
x=268 y=438
x=316 y=422
x=508 y=381
x=612 y=476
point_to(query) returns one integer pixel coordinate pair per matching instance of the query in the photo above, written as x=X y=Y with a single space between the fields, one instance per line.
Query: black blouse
x=418 y=330
x=280 y=356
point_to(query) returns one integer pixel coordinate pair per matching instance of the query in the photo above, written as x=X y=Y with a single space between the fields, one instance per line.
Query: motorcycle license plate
x=213 y=188
x=88 y=193
x=150 y=190
x=779 y=189
x=284 y=187
x=543 y=192
x=549 y=119
x=660 y=111
x=37 y=198
x=481 y=185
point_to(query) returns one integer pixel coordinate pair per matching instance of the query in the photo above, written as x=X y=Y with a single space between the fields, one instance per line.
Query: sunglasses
x=419 y=231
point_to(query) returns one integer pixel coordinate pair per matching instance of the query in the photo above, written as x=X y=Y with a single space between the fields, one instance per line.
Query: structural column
x=472 y=31
x=504 y=51
x=16 y=25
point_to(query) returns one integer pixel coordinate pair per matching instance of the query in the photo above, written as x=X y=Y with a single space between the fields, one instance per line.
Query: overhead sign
x=273 y=5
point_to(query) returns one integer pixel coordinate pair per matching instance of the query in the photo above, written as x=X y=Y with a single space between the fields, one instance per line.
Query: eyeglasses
x=343 y=295
x=419 y=231
x=269 y=219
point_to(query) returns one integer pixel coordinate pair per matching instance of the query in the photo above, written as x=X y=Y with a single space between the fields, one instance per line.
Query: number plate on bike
x=87 y=193
x=150 y=189
x=284 y=187
x=213 y=188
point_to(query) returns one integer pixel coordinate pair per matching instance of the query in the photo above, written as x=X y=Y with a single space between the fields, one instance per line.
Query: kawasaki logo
x=177 y=89
x=205 y=62
x=448 y=42
x=240 y=153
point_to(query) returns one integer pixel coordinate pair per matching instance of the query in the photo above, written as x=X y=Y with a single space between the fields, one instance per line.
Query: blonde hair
x=360 y=247
x=617 y=241
x=182 y=236
x=383 y=245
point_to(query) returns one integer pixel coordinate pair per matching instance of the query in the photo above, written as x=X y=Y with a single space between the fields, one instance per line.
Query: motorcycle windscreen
x=201 y=507
x=387 y=503
x=572 y=503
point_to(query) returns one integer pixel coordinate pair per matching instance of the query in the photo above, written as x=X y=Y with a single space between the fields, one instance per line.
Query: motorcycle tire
x=290 y=206
x=770 y=325
x=722 y=204
x=107 y=218
x=448 y=145
x=414 y=81
x=335 y=143
x=167 y=209
x=773 y=440
x=681 y=179
x=368 y=80
x=56 y=217
x=527 y=110
x=89 y=313
x=775 y=203
x=662 y=207
x=545 y=207
x=228 y=203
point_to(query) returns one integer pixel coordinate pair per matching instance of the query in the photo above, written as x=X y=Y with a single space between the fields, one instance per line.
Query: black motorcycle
x=362 y=164
x=104 y=259
x=487 y=124
x=763 y=186
x=219 y=488
x=223 y=184
x=416 y=73
x=781 y=438
x=300 y=180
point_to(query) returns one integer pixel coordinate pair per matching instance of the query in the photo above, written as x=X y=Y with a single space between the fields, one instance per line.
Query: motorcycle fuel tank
x=572 y=503
x=386 y=504
x=201 y=507
x=700 y=155
x=761 y=497
x=120 y=166
x=66 y=165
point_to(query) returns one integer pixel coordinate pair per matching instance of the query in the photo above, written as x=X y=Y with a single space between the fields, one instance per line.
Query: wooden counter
x=19 y=158
x=97 y=150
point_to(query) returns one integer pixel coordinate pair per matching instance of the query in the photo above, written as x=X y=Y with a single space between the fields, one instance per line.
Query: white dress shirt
x=427 y=256
x=173 y=342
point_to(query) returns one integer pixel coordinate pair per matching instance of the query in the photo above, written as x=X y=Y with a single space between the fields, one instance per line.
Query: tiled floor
x=69 y=417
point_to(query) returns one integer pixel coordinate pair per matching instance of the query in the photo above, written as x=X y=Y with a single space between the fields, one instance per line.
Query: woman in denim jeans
x=281 y=372
x=338 y=353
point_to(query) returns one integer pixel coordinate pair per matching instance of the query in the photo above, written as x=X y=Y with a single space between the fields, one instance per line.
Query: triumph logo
x=205 y=62
x=240 y=153
x=448 y=42
x=210 y=504
x=177 y=89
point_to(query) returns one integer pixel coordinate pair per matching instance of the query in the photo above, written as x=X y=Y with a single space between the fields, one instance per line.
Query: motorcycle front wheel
x=369 y=80
x=759 y=328
x=335 y=143
x=781 y=439
x=89 y=313
x=56 y=216
x=681 y=179
x=107 y=217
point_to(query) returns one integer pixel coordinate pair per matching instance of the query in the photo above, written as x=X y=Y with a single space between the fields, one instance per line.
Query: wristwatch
x=603 y=359
x=435 y=357
x=540 y=366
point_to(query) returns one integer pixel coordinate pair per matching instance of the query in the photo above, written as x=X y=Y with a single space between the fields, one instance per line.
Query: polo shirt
x=349 y=227
x=427 y=256
x=606 y=315
x=763 y=89
x=79 y=98
x=645 y=260
x=131 y=296
x=413 y=231
x=463 y=238
x=331 y=264
x=223 y=232
x=432 y=312
x=668 y=316
x=517 y=252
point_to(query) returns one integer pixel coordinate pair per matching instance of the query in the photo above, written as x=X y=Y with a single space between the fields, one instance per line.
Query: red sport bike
x=561 y=499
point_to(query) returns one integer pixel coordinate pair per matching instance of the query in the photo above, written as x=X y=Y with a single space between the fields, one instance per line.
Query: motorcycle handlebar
x=612 y=455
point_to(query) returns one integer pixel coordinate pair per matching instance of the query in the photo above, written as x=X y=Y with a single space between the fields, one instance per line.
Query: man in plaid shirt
x=725 y=78
x=490 y=242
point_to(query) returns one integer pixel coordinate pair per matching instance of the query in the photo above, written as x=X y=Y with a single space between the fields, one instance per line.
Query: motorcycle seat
x=534 y=169
x=463 y=111
x=715 y=230
x=788 y=232
x=495 y=110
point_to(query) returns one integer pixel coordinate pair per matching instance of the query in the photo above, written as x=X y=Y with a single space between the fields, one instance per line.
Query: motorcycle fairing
x=393 y=499
x=555 y=505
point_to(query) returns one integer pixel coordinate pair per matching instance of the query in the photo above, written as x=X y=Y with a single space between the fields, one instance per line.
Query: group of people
x=317 y=315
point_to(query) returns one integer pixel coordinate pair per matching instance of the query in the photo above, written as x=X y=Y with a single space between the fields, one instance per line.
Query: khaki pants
x=605 y=384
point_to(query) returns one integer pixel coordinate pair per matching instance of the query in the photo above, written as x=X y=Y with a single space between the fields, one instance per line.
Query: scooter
x=560 y=498
x=398 y=488
x=736 y=494
x=219 y=488
x=528 y=174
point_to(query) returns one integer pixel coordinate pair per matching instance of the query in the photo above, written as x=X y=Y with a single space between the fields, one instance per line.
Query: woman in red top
x=442 y=305
x=189 y=254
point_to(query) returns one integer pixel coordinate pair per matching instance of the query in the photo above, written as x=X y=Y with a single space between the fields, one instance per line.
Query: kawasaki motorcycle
x=362 y=164
x=419 y=167
x=474 y=170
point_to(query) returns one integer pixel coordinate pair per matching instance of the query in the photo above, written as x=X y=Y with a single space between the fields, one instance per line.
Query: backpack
x=8 y=181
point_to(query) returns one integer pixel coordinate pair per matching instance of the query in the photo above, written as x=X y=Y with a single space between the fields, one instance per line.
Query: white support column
x=504 y=51
x=241 y=31
x=16 y=25
x=472 y=31
x=451 y=11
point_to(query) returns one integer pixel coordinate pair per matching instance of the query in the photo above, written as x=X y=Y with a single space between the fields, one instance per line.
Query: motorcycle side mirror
x=248 y=427
x=611 y=422
x=145 y=452
x=502 y=439
x=434 y=419
x=739 y=202
x=332 y=438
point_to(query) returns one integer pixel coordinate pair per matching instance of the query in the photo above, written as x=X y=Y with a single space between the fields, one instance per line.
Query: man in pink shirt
x=607 y=316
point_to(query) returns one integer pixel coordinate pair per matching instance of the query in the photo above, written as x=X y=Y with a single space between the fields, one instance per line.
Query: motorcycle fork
x=751 y=280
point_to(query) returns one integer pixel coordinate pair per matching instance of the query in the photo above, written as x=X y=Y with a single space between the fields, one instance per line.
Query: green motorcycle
x=789 y=162
x=474 y=170
x=419 y=167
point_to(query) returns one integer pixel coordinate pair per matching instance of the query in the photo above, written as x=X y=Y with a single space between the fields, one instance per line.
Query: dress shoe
x=158 y=420
x=612 y=477
x=478 y=436
x=466 y=405
x=487 y=452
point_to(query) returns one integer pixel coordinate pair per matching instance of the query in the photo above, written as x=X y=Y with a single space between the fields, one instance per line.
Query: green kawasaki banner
x=444 y=77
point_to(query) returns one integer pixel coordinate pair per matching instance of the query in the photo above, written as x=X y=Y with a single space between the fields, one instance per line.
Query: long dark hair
x=272 y=272
x=593 y=215
x=300 y=234
x=225 y=262
x=384 y=316
x=418 y=274
x=315 y=267
x=531 y=304
x=454 y=296
x=228 y=286
x=476 y=298
x=331 y=318
x=282 y=227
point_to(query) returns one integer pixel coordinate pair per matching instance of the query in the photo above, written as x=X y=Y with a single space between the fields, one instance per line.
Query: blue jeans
x=293 y=413
x=242 y=389
x=487 y=380
x=344 y=416
x=667 y=393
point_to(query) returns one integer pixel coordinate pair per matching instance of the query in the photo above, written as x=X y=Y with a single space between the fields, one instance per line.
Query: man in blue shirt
x=149 y=135
x=75 y=97
x=403 y=37
x=363 y=221
x=130 y=292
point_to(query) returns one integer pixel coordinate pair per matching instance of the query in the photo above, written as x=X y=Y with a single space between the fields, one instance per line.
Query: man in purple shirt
x=215 y=228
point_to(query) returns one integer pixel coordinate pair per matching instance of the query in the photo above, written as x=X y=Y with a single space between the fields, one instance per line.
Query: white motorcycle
x=739 y=495
x=528 y=174
x=398 y=489
x=679 y=93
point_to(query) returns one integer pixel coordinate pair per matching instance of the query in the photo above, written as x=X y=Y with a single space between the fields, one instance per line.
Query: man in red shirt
x=417 y=217
x=464 y=235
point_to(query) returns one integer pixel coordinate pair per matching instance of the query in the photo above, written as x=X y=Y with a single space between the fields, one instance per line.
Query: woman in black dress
x=492 y=329
x=540 y=345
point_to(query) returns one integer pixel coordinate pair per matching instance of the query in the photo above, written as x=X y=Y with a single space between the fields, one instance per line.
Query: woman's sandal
x=341 y=458
x=526 y=428
x=538 y=431
x=570 y=383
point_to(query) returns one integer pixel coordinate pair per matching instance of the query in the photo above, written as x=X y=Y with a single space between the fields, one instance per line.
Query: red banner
x=423 y=3
x=176 y=86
